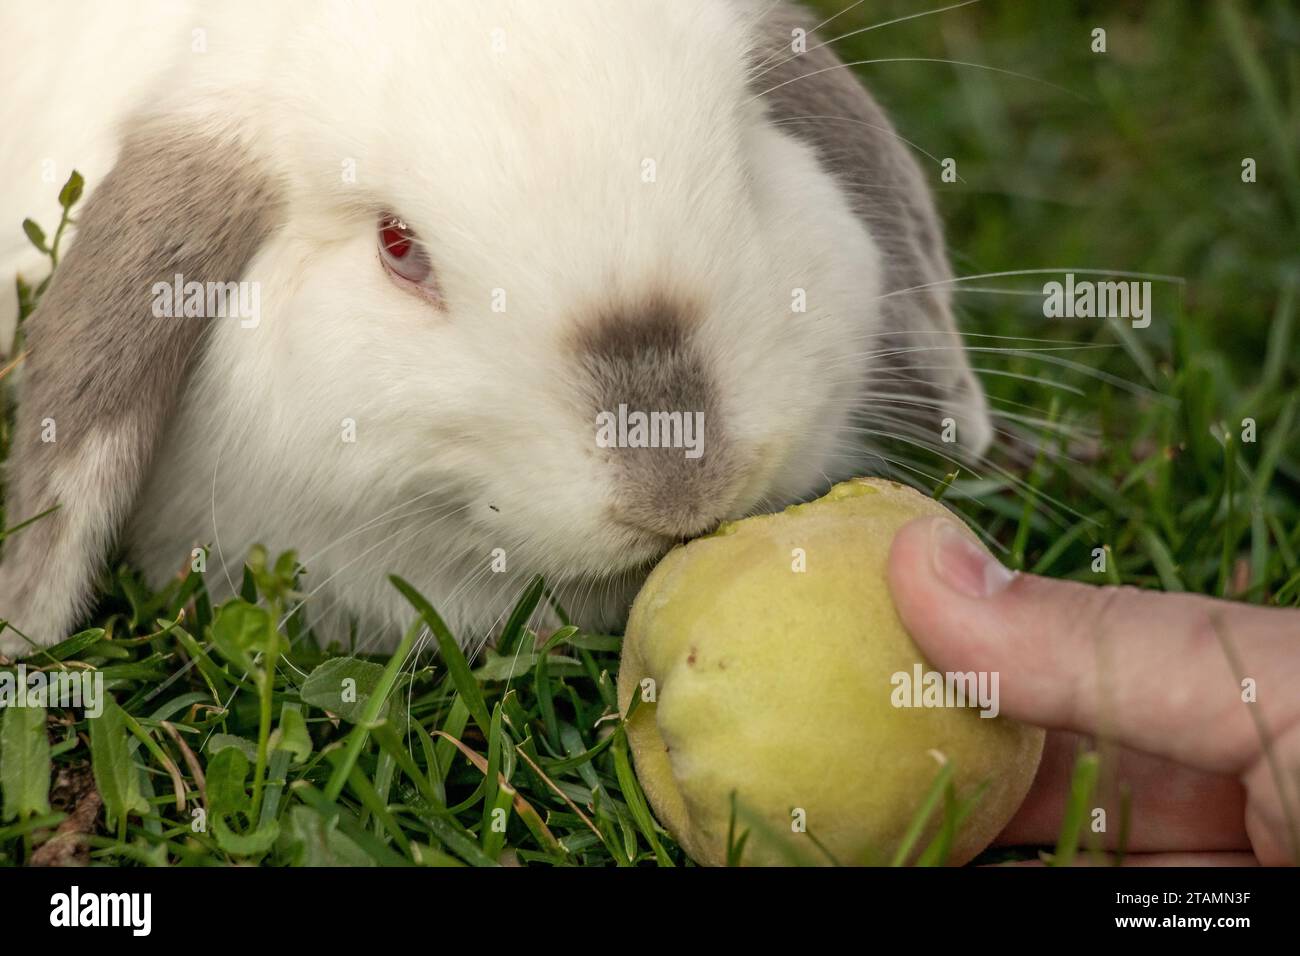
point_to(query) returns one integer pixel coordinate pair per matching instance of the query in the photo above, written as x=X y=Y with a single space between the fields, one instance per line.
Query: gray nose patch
x=652 y=405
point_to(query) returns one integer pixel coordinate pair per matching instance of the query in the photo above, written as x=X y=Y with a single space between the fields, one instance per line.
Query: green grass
x=1125 y=443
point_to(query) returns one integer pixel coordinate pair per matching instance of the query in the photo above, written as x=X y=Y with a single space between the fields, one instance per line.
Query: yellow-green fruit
x=771 y=650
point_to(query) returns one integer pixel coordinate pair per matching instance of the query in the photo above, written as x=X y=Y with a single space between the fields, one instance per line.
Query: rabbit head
x=467 y=293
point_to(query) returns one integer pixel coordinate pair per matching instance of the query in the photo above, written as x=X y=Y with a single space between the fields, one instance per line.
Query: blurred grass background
x=1140 y=170
x=1127 y=160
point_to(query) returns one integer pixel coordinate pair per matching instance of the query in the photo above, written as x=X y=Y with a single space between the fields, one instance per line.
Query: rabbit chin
x=470 y=557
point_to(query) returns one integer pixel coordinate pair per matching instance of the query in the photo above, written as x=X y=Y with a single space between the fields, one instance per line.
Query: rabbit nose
x=658 y=423
x=674 y=517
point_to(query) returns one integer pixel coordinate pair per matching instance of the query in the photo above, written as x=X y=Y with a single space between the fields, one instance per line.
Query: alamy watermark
x=133 y=911
x=1086 y=299
x=208 y=300
x=951 y=689
x=80 y=689
x=634 y=429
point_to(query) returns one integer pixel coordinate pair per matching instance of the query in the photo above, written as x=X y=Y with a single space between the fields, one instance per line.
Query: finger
x=1146 y=669
x=1169 y=807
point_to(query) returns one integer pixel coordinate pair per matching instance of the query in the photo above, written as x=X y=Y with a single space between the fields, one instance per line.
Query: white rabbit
x=462 y=233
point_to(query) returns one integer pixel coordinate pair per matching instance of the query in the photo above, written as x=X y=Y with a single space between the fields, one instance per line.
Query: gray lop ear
x=102 y=372
x=812 y=96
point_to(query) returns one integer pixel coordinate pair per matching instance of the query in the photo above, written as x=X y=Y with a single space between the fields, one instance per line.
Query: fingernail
x=963 y=565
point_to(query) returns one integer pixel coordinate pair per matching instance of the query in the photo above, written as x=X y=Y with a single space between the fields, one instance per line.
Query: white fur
x=522 y=171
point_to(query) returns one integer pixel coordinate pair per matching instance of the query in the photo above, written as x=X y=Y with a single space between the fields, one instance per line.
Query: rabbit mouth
x=639 y=550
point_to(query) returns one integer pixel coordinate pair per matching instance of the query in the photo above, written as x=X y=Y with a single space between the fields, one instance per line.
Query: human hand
x=1213 y=778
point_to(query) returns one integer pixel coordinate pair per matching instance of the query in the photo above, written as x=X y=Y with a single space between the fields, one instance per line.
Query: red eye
x=404 y=256
x=395 y=237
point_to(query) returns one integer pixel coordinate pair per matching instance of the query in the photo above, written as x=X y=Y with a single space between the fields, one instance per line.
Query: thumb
x=1161 y=673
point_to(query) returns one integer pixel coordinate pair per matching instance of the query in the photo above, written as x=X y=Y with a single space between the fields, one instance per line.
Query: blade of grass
x=452 y=656
x=1082 y=783
x=374 y=704
x=923 y=813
